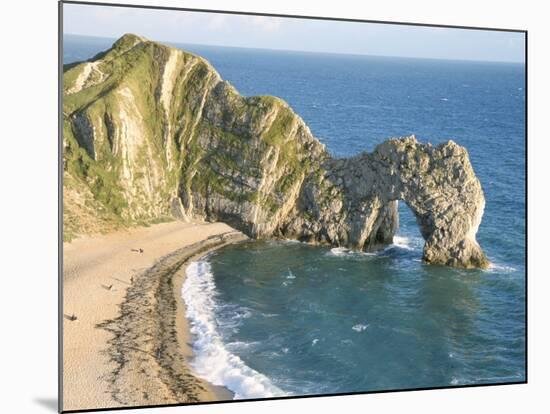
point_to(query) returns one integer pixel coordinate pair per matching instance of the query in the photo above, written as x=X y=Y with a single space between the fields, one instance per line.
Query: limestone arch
x=439 y=186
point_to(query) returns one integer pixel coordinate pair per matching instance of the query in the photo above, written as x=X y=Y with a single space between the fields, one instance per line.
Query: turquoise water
x=281 y=318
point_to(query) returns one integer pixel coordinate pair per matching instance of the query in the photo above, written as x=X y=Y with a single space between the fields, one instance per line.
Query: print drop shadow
x=50 y=403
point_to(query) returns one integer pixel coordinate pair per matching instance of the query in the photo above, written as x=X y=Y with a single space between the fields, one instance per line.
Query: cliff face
x=151 y=131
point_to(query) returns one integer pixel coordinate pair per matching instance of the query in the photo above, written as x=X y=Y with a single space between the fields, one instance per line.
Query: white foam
x=213 y=362
x=344 y=252
x=290 y=275
x=407 y=243
x=493 y=267
x=314 y=342
x=339 y=251
x=359 y=327
x=402 y=242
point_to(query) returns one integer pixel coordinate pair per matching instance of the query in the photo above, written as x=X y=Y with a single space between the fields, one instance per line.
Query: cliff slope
x=151 y=131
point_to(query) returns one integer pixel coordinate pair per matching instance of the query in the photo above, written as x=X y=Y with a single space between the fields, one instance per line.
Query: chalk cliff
x=150 y=131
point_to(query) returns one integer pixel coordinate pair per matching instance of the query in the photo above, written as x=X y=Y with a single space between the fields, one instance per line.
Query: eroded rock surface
x=151 y=131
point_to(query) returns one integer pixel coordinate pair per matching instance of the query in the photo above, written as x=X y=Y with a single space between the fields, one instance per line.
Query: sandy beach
x=130 y=342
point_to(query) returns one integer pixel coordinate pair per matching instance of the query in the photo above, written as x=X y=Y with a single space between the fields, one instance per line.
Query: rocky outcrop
x=437 y=183
x=153 y=131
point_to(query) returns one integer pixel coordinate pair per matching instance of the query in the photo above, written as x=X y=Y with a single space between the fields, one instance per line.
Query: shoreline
x=134 y=346
x=182 y=324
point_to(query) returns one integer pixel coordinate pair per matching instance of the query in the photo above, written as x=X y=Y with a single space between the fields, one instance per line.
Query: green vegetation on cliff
x=152 y=132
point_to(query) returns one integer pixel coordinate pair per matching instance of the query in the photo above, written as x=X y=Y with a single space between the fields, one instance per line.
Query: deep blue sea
x=284 y=318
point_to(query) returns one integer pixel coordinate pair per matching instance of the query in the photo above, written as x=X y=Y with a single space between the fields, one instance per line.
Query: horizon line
x=516 y=62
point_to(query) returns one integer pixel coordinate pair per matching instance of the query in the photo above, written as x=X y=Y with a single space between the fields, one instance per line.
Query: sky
x=294 y=34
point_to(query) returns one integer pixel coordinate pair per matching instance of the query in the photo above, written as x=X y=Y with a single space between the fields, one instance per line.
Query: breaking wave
x=213 y=362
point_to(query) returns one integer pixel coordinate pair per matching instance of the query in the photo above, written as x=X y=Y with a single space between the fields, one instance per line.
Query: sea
x=282 y=318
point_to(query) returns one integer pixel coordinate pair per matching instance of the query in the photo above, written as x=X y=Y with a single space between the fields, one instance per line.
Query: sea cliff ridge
x=150 y=131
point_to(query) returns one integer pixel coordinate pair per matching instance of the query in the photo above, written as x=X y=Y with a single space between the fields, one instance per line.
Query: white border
x=28 y=170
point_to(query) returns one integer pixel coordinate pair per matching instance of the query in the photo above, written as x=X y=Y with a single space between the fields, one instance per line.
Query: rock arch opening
x=408 y=235
x=439 y=186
